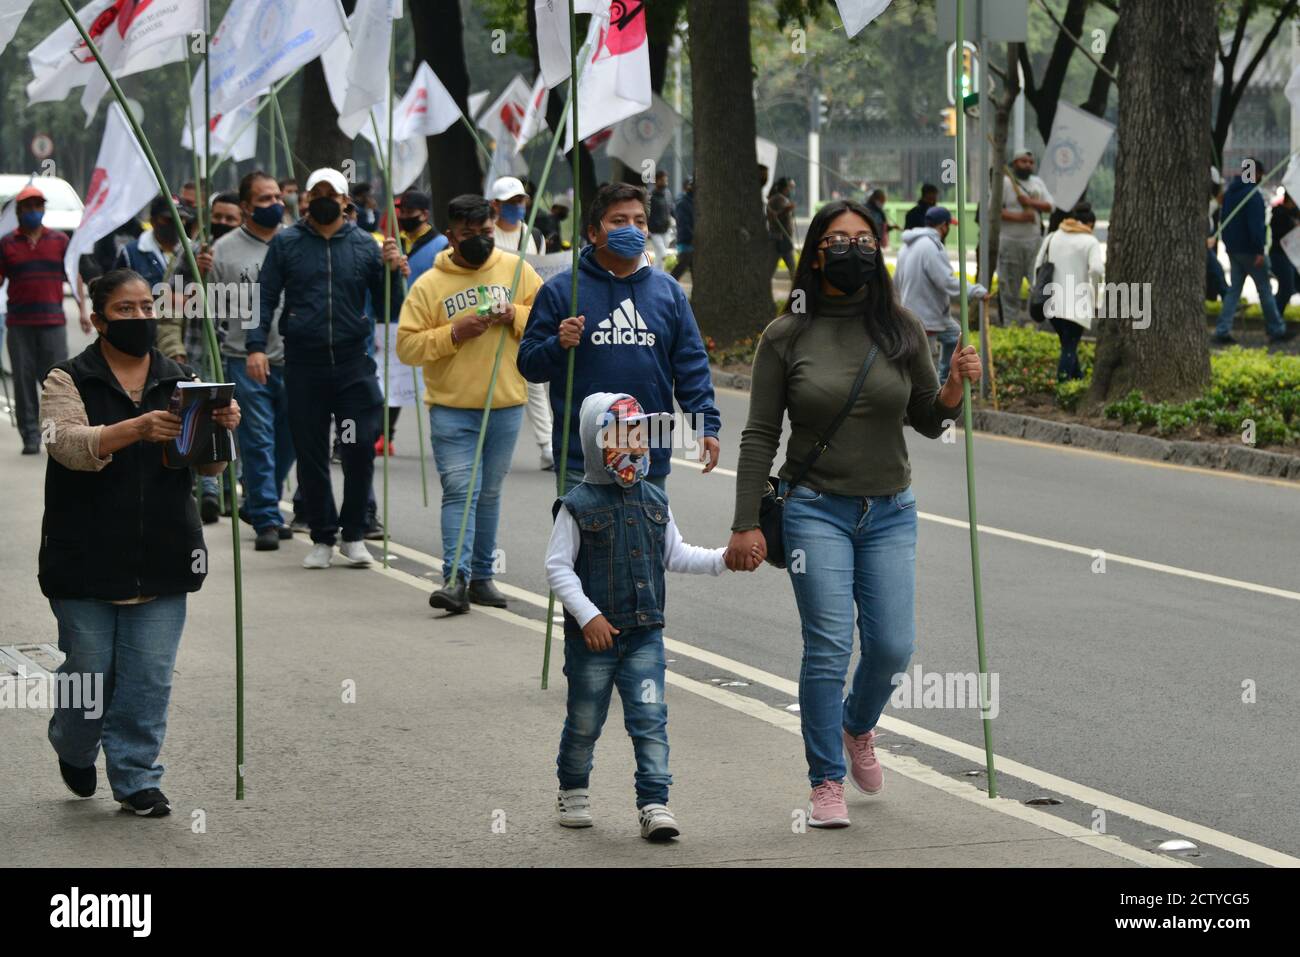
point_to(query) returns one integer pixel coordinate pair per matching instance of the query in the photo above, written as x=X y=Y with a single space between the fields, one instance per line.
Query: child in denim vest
x=612 y=540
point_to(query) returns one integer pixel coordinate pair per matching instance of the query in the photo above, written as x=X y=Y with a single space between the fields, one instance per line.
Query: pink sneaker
x=826 y=808
x=864 y=767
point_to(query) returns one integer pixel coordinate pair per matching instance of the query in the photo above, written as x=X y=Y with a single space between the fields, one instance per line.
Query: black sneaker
x=80 y=781
x=375 y=531
x=1286 y=336
x=284 y=532
x=147 y=803
x=451 y=597
x=484 y=592
x=1224 y=340
x=299 y=524
x=31 y=448
x=268 y=539
x=210 y=509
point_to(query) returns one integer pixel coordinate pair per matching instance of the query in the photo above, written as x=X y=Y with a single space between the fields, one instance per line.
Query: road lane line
x=1175 y=826
x=1111 y=557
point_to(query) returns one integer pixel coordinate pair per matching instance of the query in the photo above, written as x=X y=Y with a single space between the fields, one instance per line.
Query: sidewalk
x=449 y=738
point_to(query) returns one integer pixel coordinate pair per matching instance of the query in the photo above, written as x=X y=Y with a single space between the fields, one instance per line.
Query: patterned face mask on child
x=626 y=468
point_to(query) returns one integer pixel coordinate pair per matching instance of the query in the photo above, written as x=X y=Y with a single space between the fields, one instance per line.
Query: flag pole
x=968 y=429
x=257 y=111
x=289 y=171
x=213 y=347
x=194 y=130
x=501 y=343
x=388 y=285
x=205 y=214
x=562 y=465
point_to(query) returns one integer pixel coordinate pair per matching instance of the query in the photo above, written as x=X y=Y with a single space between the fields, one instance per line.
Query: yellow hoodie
x=457 y=374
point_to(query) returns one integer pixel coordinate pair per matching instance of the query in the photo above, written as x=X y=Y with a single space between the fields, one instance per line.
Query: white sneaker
x=319 y=556
x=356 y=553
x=574 y=807
x=658 y=823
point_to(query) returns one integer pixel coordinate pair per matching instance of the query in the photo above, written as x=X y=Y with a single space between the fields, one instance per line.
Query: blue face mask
x=627 y=242
x=268 y=217
x=512 y=213
x=31 y=219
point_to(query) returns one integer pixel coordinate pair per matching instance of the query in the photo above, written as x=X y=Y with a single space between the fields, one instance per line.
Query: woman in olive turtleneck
x=850 y=525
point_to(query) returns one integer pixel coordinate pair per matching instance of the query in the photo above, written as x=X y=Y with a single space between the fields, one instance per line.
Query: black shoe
x=299 y=524
x=1286 y=336
x=284 y=532
x=451 y=597
x=147 y=803
x=1225 y=340
x=80 y=781
x=375 y=531
x=484 y=592
x=268 y=539
x=210 y=509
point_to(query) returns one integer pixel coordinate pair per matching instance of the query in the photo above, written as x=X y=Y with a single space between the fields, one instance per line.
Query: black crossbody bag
x=771 y=510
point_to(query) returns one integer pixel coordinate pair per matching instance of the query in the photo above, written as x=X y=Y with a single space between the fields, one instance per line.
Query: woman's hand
x=965 y=366
x=157 y=426
x=227 y=416
x=745 y=551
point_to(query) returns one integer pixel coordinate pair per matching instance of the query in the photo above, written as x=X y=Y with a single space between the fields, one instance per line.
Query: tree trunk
x=320 y=142
x=1043 y=96
x=453 y=156
x=992 y=230
x=1157 y=236
x=732 y=290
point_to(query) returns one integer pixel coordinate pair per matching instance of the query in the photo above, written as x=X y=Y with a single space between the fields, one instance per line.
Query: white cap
x=507 y=187
x=327 y=175
x=563 y=199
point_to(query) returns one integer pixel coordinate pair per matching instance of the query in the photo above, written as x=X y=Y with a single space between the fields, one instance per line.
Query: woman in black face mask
x=849 y=366
x=120 y=543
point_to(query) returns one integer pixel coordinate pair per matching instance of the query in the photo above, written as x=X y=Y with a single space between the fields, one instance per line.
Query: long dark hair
x=886 y=322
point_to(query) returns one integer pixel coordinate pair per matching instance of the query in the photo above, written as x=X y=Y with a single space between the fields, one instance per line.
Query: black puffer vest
x=132 y=528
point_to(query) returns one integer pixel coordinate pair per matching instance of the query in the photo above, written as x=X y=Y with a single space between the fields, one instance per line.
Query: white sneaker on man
x=319 y=556
x=574 y=807
x=658 y=823
x=356 y=553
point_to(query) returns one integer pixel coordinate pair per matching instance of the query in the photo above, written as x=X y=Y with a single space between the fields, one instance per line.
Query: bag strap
x=820 y=447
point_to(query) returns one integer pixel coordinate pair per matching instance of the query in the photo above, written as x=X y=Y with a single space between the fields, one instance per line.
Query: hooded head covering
x=592 y=420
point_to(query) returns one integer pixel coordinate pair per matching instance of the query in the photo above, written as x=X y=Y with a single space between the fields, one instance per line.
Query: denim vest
x=621 y=556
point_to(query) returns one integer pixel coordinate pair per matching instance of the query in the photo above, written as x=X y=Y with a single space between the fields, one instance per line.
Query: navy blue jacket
x=685 y=216
x=640 y=338
x=1245 y=234
x=325 y=282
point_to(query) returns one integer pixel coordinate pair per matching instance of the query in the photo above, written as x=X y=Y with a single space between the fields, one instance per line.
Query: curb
x=1201 y=455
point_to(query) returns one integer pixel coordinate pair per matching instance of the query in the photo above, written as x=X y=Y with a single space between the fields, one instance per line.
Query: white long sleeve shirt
x=562 y=552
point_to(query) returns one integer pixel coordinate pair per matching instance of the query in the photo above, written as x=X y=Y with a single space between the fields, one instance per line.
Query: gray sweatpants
x=32 y=350
x=1015 y=264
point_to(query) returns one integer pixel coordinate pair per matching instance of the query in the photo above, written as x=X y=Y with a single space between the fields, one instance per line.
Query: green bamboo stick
x=213 y=347
x=968 y=426
x=257 y=111
x=388 y=287
x=289 y=171
x=562 y=466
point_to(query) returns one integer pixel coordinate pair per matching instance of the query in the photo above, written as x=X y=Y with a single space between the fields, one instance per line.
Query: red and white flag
x=11 y=14
x=121 y=184
x=124 y=29
x=426 y=109
x=505 y=117
x=233 y=132
x=614 y=82
x=553 y=33
x=534 y=120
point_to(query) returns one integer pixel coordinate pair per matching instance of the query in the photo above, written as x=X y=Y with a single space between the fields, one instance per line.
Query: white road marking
x=1111 y=557
x=1044 y=779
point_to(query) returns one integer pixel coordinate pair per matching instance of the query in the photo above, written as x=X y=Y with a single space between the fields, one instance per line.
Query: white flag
x=766 y=152
x=60 y=63
x=1077 y=142
x=614 y=83
x=1291 y=181
x=475 y=102
x=11 y=14
x=644 y=136
x=553 y=35
x=128 y=27
x=505 y=116
x=534 y=120
x=371 y=30
x=120 y=185
x=426 y=109
x=856 y=14
x=259 y=42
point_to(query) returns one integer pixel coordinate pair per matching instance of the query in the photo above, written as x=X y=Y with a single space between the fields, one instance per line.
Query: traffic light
x=949 y=121
x=967 y=72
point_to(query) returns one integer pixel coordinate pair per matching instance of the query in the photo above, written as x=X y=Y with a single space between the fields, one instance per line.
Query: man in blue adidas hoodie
x=641 y=337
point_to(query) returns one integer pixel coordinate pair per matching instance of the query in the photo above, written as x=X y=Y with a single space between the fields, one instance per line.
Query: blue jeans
x=1243 y=265
x=636 y=665
x=265 y=443
x=134 y=648
x=948 y=340
x=454 y=434
x=855 y=556
x=1285 y=272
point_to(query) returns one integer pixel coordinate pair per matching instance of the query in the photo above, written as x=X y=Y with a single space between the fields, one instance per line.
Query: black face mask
x=1023 y=173
x=477 y=249
x=409 y=224
x=166 y=233
x=135 y=337
x=851 y=271
x=220 y=229
x=324 y=210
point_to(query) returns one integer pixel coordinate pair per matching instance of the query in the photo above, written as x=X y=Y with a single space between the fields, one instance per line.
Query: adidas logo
x=624 y=327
